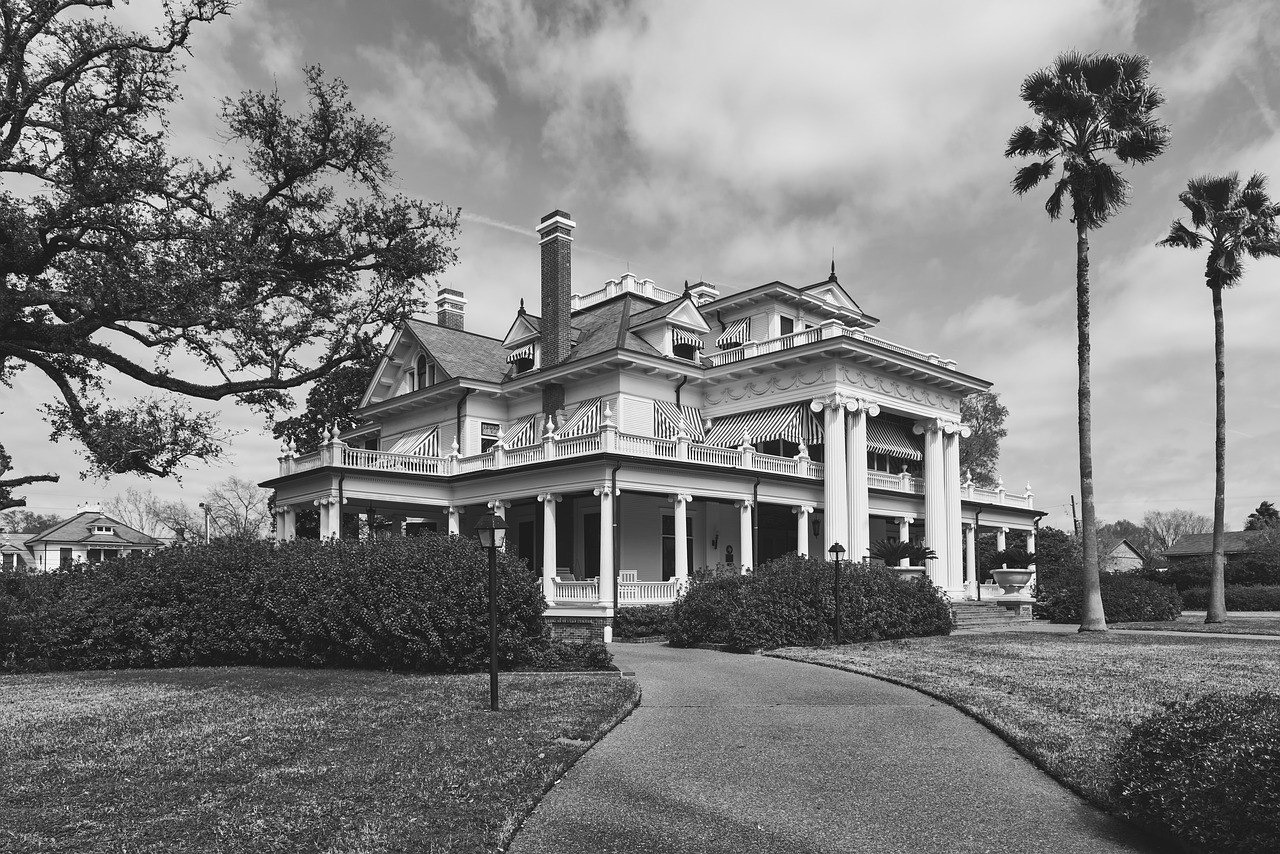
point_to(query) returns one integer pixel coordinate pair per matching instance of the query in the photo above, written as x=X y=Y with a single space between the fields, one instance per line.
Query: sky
x=743 y=142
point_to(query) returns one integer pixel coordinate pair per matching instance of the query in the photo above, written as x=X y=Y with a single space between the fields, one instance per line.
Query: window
x=786 y=326
x=488 y=436
x=420 y=372
x=103 y=529
x=64 y=557
x=669 y=546
x=9 y=560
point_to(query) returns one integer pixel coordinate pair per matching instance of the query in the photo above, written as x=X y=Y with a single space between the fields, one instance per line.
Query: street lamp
x=492 y=531
x=837 y=551
x=205 y=508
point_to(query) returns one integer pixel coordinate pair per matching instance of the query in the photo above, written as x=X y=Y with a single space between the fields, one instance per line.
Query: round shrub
x=645 y=621
x=1207 y=772
x=1125 y=599
x=790 y=601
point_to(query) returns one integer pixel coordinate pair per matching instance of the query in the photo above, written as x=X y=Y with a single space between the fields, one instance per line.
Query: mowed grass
x=261 y=760
x=1066 y=701
x=1235 y=625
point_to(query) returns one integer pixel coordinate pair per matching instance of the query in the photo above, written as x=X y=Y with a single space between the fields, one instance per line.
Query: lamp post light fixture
x=837 y=551
x=492 y=531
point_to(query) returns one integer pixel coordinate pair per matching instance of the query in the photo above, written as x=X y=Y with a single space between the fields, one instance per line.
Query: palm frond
x=1142 y=146
x=1053 y=206
x=1021 y=143
x=1180 y=235
x=1030 y=175
x=1224 y=268
x=1098 y=191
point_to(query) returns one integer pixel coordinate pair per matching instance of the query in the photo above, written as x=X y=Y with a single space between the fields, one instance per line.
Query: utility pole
x=1075 y=523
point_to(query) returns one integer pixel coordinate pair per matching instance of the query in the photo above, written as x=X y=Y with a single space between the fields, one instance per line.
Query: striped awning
x=522 y=433
x=584 y=420
x=524 y=353
x=666 y=421
x=424 y=443
x=679 y=336
x=782 y=422
x=737 y=332
x=891 y=439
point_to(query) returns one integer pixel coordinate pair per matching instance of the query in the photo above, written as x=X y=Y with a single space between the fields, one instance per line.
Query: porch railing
x=577 y=591
x=629 y=592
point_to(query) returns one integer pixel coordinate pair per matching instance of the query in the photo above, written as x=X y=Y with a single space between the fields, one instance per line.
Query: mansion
x=632 y=436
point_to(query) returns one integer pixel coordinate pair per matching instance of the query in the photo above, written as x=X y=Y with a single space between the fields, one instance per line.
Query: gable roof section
x=1191 y=545
x=79 y=529
x=683 y=311
x=607 y=327
x=462 y=354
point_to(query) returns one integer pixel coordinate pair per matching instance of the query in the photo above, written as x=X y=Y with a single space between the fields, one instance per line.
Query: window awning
x=423 y=443
x=666 y=421
x=524 y=353
x=891 y=439
x=737 y=332
x=584 y=420
x=522 y=433
x=680 y=336
x=793 y=423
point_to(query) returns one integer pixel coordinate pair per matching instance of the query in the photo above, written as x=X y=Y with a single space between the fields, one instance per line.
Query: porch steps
x=979 y=616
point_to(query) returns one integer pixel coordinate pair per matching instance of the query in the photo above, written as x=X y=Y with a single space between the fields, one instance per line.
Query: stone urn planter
x=909 y=573
x=1012 y=581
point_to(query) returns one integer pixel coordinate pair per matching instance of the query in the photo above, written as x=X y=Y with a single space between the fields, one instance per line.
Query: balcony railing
x=610 y=440
x=830 y=329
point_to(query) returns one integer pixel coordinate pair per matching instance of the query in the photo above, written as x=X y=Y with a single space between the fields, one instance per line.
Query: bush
x=561 y=656
x=790 y=601
x=1238 y=598
x=407 y=604
x=644 y=622
x=1207 y=772
x=1125 y=599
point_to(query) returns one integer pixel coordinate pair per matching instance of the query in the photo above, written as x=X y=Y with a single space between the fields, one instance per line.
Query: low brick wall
x=578 y=629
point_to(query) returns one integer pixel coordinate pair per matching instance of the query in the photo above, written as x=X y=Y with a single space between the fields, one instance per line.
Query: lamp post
x=836 y=551
x=205 y=508
x=492 y=531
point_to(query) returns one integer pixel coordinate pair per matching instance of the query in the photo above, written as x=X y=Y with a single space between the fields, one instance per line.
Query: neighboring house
x=90 y=536
x=1123 y=557
x=1192 y=546
x=13 y=553
x=632 y=435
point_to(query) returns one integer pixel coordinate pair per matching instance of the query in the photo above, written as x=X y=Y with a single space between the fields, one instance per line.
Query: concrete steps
x=976 y=616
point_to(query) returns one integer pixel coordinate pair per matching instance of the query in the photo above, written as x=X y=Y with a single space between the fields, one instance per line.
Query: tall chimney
x=556 y=231
x=450 y=308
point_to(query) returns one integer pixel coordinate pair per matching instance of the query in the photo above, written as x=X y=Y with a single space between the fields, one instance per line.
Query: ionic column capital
x=549 y=497
x=745 y=503
x=835 y=400
x=605 y=491
x=680 y=498
x=904 y=520
x=499 y=504
x=803 y=509
x=929 y=425
x=857 y=404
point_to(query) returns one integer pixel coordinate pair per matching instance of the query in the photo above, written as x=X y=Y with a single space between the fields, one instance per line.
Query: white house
x=632 y=435
x=90 y=536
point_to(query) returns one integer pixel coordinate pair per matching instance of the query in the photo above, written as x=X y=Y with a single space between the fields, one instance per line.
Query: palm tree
x=1089 y=106
x=1233 y=220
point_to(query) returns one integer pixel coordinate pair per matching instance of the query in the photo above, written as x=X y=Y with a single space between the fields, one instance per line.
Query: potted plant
x=1016 y=570
x=893 y=552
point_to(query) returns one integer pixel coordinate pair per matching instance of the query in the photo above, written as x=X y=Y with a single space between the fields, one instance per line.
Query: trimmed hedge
x=1261 y=598
x=646 y=621
x=790 y=601
x=1207 y=772
x=417 y=604
x=1125 y=599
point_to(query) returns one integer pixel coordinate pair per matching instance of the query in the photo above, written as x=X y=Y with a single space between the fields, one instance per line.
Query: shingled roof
x=1193 y=545
x=463 y=354
x=79 y=529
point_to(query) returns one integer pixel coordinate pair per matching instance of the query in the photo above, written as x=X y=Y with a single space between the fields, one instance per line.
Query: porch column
x=1001 y=539
x=904 y=535
x=951 y=436
x=1031 y=542
x=607 y=569
x=286 y=523
x=803 y=514
x=549 y=500
x=680 y=503
x=859 y=498
x=330 y=516
x=745 y=556
x=971 y=559
x=498 y=507
x=455 y=520
x=835 y=493
x=935 y=499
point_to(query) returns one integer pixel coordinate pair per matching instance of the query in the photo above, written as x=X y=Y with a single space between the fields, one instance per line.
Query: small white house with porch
x=632 y=436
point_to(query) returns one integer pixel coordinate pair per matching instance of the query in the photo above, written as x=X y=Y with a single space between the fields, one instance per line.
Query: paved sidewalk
x=742 y=754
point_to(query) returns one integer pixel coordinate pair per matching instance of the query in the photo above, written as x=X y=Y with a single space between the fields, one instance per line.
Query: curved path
x=741 y=753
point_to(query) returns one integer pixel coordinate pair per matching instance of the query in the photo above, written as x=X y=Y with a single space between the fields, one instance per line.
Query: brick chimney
x=556 y=233
x=450 y=308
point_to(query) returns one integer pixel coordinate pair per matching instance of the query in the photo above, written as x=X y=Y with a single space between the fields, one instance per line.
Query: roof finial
x=686 y=286
x=833 y=263
x=521 y=306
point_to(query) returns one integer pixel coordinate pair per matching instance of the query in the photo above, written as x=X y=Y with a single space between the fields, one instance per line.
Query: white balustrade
x=524 y=456
x=578 y=445
x=648 y=592
x=305 y=462
x=577 y=591
x=480 y=462
x=387 y=461
x=774 y=465
x=715 y=456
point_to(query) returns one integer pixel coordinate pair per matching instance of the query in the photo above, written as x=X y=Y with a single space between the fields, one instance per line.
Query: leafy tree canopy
x=1264 y=518
x=980 y=453
x=26 y=522
x=332 y=400
x=204 y=280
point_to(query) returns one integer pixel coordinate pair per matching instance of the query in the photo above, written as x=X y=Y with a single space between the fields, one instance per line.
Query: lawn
x=258 y=760
x=1066 y=701
x=1235 y=624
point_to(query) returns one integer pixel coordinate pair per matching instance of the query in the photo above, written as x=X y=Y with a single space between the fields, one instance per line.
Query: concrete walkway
x=741 y=753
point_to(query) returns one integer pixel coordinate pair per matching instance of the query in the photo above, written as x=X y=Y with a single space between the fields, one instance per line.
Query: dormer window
x=522 y=360
x=103 y=529
x=685 y=345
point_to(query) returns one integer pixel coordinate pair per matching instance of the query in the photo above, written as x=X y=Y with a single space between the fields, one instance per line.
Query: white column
x=1001 y=541
x=455 y=520
x=746 y=557
x=971 y=559
x=607 y=570
x=952 y=433
x=1031 y=541
x=859 y=498
x=498 y=507
x=286 y=523
x=834 y=487
x=680 y=502
x=549 y=500
x=904 y=535
x=935 y=499
x=803 y=514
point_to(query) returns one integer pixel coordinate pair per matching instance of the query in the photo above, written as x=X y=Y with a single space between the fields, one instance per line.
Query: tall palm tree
x=1234 y=221
x=1089 y=107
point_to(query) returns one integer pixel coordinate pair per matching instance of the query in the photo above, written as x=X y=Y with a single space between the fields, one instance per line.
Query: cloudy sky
x=742 y=142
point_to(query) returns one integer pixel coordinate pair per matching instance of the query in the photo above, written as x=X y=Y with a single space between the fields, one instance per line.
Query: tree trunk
x=1217 y=612
x=1092 y=617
